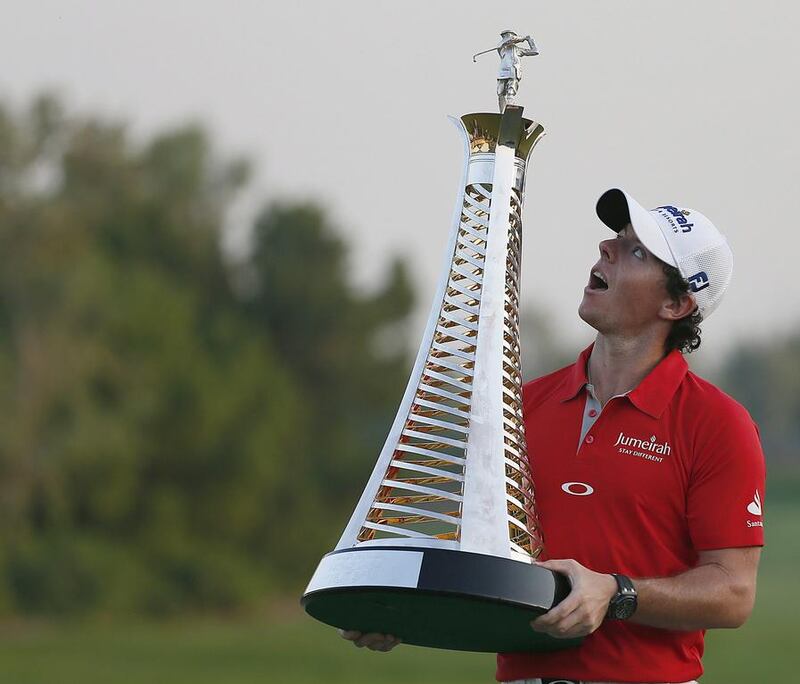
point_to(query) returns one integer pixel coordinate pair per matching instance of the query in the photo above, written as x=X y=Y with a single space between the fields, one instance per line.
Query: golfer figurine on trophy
x=439 y=550
x=510 y=73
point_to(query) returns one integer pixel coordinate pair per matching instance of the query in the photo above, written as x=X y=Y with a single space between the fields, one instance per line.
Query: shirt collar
x=651 y=395
x=659 y=386
x=576 y=379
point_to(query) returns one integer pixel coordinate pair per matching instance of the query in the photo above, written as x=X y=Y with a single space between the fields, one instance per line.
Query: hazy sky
x=682 y=102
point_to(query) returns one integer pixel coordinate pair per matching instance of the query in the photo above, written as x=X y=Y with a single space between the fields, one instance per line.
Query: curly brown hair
x=685 y=333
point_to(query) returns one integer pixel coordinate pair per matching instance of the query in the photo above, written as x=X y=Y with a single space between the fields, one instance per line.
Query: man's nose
x=607 y=249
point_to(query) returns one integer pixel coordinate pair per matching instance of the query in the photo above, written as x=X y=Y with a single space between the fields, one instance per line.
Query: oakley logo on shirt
x=577 y=488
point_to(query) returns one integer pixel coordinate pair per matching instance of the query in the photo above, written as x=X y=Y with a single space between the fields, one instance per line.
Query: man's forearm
x=717 y=592
x=707 y=596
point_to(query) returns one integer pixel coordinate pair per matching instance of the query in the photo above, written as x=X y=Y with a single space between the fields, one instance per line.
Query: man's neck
x=618 y=365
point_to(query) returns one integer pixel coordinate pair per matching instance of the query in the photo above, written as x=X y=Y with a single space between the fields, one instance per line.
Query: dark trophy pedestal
x=437 y=598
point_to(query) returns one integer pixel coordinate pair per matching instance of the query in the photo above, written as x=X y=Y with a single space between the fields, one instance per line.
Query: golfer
x=510 y=72
x=649 y=480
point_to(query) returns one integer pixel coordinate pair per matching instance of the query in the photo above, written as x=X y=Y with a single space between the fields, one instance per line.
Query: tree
x=766 y=379
x=334 y=342
x=166 y=443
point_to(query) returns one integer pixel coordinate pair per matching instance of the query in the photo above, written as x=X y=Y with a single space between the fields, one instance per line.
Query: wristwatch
x=623 y=603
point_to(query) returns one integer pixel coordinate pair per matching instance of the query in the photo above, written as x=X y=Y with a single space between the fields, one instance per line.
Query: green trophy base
x=437 y=598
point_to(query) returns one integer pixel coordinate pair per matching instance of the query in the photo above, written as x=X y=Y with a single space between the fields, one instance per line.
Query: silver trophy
x=439 y=549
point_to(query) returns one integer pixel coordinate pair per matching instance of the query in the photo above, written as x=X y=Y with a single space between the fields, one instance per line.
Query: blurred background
x=220 y=229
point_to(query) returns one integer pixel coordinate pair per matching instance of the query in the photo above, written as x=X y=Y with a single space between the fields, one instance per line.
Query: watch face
x=624 y=607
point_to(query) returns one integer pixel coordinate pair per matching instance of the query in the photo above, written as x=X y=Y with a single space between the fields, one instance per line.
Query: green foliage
x=329 y=338
x=182 y=433
x=167 y=443
x=766 y=379
x=291 y=647
x=542 y=351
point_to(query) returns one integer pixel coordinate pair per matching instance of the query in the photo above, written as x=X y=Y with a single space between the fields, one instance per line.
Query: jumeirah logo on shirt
x=649 y=449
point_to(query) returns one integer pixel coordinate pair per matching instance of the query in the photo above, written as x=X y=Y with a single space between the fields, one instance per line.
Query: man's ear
x=675 y=309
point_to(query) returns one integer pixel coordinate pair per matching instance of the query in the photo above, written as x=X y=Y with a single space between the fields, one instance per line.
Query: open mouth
x=597 y=281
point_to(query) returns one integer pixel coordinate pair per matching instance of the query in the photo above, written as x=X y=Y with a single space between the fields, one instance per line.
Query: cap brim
x=616 y=208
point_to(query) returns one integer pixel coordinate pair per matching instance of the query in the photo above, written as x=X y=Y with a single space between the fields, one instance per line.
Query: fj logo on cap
x=699 y=281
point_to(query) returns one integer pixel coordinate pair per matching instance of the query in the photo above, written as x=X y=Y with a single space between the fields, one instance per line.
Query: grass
x=289 y=647
x=766 y=648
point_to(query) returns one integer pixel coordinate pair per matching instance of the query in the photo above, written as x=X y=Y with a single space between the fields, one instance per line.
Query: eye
x=639 y=252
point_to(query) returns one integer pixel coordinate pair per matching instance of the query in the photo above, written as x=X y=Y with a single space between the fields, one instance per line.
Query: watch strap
x=623 y=604
x=624 y=584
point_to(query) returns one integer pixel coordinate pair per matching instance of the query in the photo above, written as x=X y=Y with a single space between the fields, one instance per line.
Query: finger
x=370 y=639
x=570 y=627
x=570 y=604
x=349 y=634
x=559 y=565
x=383 y=646
x=367 y=639
x=559 y=612
x=387 y=643
x=562 y=627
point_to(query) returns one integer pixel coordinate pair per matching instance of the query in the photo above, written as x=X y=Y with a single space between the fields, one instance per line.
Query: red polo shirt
x=671 y=468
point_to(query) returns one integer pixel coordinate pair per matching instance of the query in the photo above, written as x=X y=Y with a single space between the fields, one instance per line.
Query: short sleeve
x=725 y=499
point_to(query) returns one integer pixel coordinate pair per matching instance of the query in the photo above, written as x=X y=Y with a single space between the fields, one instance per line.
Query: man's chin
x=587 y=315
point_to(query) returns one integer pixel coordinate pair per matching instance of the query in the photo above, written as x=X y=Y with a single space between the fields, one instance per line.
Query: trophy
x=439 y=548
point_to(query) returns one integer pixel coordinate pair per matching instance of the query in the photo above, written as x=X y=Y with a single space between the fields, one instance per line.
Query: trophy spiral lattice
x=440 y=544
x=422 y=492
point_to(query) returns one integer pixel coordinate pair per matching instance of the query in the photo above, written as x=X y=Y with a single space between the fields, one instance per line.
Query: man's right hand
x=373 y=641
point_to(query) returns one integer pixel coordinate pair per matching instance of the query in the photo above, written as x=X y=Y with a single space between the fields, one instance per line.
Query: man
x=649 y=480
x=510 y=72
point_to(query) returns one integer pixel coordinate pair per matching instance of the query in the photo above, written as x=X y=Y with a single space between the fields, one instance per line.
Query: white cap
x=682 y=238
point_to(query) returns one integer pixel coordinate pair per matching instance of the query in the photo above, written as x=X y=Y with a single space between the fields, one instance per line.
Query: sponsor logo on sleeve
x=754 y=508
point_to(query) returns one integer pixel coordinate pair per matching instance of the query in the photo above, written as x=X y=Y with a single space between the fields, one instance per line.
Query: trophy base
x=437 y=598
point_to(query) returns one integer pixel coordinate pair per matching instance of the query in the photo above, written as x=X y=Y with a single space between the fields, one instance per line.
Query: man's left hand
x=583 y=610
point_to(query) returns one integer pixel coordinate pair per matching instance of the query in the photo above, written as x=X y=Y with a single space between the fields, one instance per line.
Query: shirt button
x=589 y=439
x=592 y=413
